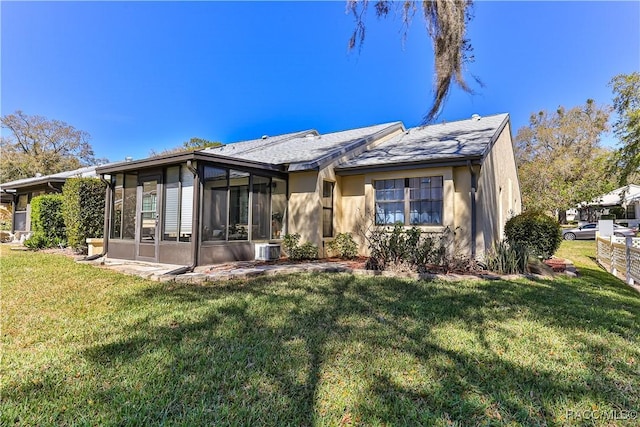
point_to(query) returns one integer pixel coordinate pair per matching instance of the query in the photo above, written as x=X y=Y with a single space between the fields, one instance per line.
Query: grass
x=85 y=346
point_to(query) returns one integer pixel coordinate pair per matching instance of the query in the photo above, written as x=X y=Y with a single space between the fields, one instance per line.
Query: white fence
x=620 y=256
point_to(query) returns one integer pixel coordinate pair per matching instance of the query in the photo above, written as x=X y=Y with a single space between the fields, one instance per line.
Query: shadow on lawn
x=283 y=350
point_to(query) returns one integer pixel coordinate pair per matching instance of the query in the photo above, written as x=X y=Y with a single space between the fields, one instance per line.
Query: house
x=18 y=194
x=624 y=202
x=219 y=204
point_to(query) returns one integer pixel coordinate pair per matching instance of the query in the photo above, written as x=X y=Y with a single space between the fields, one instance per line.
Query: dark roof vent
x=265 y=136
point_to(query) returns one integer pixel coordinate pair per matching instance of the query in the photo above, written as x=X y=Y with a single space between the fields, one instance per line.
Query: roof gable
x=459 y=140
x=302 y=150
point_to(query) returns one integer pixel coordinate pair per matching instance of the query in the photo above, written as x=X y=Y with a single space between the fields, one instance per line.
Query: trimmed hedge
x=47 y=221
x=535 y=230
x=83 y=210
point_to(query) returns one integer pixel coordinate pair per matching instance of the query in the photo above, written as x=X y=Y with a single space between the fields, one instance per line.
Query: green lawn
x=84 y=346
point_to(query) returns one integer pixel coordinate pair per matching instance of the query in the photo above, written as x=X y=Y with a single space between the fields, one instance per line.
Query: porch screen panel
x=238 y=205
x=171 y=203
x=129 y=207
x=116 y=209
x=260 y=220
x=186 y=205
x=278 y=208
x=214 y=204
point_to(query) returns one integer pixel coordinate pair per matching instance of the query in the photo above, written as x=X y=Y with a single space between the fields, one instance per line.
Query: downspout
x=473 y=209
x=107 y=216
x=196 y=224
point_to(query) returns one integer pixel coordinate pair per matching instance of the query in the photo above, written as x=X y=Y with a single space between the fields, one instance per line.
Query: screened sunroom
x=193 y=209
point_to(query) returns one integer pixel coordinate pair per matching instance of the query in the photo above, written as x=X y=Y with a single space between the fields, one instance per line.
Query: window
x=20 y=215
x=178 y=204
x=389 y=201
x=409 y=201
x=123 y=209
x=425 y=200
x=327 y=209
x=631 y=211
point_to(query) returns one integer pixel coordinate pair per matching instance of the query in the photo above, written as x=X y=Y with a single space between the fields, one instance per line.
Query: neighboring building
x=20 y=192
x=623 y=201
x=217 y=204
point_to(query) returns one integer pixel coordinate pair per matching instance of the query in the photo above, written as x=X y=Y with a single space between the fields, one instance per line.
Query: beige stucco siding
x=305 y=207
x=351 y=207
x=357 y=202
x=462 y=209
x=498 y=195
x=497 y=198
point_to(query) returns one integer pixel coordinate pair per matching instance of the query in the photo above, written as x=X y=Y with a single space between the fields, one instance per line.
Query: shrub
x=5 y=218
x=37 y=240
x=507 y=259
x=47 y=221
x=83 y=210
x=291 y=244
x=410 y=249
x=344 y=246
x=538 y=232
x=5 y=236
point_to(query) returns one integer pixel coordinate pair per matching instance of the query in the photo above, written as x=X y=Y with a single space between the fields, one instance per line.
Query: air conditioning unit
x=267 y=251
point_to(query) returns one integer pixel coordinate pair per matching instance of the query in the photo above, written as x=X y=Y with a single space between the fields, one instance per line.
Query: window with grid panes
x=409 y=201
x=327 y=209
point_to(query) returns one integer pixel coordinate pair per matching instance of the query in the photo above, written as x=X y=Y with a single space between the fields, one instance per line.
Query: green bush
x=411 y=249
x=5 y=218
x=47 y=220
x=37 y=240
x=538 y=232
x=507 y=259
x=344 y=245
x=295 y=251
x=83 y=210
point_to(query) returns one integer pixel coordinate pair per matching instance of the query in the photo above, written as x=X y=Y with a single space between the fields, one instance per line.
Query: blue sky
x=150 y=75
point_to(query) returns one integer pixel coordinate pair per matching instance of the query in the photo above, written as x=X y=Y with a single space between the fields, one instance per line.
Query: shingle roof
x=301 y=150
x=85 y=172
x=235 y=149
x=454 y=140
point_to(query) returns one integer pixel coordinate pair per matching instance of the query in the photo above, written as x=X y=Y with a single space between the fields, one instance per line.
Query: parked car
x=588 y=231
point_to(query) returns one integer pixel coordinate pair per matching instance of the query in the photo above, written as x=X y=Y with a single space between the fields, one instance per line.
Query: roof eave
x=33 y=183
x=183 y=157
x=458 y=161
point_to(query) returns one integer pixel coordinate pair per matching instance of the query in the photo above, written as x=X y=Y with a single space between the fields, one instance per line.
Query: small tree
x=538 y=232
x=83 y=210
